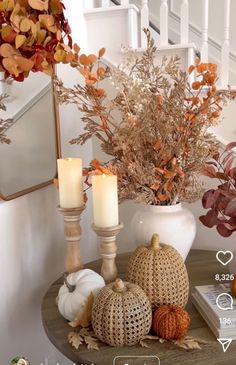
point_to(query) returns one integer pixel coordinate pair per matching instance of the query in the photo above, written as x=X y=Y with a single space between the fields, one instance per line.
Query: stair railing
x=184 y=27
x=225 y=53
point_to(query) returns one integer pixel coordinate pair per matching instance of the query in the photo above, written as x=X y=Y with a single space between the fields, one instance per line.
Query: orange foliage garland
x=34 y=36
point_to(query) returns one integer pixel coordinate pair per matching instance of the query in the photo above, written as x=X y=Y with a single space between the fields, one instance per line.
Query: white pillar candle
x=105 y=200
x=70 y=176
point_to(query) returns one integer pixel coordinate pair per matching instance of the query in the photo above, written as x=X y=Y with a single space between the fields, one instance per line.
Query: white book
x=219 y=333
x=209 y=294
x=220 y=319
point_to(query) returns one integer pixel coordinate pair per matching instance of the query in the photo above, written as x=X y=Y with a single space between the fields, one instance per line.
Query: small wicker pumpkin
x=170 y=322
x=160 y=271
x=122 y=314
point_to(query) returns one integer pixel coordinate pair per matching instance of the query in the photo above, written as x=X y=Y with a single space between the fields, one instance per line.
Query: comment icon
x=225 y=302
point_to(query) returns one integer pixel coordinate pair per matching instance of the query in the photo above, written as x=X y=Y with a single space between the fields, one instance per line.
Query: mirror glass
x=29 y=161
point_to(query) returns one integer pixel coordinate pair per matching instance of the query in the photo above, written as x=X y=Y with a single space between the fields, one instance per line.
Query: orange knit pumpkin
x=170 y=322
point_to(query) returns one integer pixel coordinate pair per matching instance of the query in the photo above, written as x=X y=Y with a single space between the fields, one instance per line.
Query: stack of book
x=222 y=322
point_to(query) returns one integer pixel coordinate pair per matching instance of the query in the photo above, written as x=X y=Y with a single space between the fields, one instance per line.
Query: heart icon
x=224 y=257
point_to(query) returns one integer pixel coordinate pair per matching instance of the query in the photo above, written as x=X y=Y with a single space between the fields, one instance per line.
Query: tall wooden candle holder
x=108 y=249
x=72 y=231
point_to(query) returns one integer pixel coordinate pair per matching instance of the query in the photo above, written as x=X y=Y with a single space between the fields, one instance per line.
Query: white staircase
x=112 y=26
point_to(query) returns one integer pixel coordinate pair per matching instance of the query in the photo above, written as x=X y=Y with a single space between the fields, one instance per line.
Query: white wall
x=32 y=252
x=31 y=256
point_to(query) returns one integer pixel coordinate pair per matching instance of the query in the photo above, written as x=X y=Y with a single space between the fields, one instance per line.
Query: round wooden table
x=202 y=267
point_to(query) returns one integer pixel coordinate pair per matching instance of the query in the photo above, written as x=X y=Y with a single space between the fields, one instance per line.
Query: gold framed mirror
x=28 y=163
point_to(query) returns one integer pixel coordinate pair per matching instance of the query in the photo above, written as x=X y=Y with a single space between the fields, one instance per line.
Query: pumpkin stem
x=155 y=242
x=69 y=286
x=119 y=285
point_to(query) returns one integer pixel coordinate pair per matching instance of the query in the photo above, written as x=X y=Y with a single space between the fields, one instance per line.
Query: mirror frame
x=58 y=154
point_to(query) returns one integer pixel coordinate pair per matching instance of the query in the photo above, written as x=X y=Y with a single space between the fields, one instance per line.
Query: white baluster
x=205 y=14
x=164 y=23
x=144 y=22
x=133 y=28
x=184 y=22
x=89 y=4
x=225 y=52
x=105 y=3
x=124 y=2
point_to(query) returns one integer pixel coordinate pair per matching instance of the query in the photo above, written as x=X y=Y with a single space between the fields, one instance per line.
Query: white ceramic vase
x=175 y=225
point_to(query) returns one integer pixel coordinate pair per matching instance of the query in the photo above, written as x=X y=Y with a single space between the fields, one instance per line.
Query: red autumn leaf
x=190 y=69
x=209 y=171
x=210 y=219
x=162 y=197
x=70 y=41
x=209 y=198
x=101 y=71
x=158 y=144
x=223 y=231
x=230 y=210
x=196 y=85
x=216 y=156
x=232 y=173
x=230 y=146
x=84 y=60
x=228 y=165
x=228 y=193
x=101 y=52
x=222 y=176
x=76 y=48
x=230 y=227
x=92 y=58
x=84 y=71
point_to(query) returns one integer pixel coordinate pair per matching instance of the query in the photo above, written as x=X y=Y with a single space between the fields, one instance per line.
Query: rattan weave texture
x=160 y=271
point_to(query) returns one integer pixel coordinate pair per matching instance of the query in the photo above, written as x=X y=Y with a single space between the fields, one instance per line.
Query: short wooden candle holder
x=72 y=231
x=108 y=249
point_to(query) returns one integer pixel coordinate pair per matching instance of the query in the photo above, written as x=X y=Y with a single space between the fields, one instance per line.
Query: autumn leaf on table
x=83 y=319
x=187 y=343
x=75 y=339
x=91 y=343
x=84 y=336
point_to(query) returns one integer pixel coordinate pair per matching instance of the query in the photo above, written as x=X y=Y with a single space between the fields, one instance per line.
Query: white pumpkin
x=75 y=292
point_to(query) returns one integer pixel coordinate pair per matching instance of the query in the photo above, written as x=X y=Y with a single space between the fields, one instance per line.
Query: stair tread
x=111 y=9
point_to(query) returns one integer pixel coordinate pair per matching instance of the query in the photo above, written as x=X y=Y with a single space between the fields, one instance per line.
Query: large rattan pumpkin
x=121 y=314
x=160 y=271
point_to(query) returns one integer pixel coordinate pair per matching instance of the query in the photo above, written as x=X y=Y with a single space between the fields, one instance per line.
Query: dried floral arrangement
x=221 y=201
x=155 y=128
x=32 y=37
x=5 y=124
